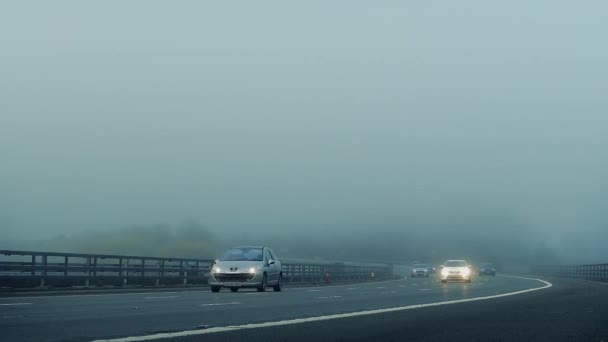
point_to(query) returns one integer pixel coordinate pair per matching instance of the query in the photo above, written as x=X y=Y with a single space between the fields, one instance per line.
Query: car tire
x=468 y=280
x=493 y=274
x=215 y=289
x=262 y=287
x=278 y=286
x=427 y=276
x=444 y=281
x=234 y=289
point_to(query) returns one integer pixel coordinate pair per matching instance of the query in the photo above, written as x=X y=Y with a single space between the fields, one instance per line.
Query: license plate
x=232 y=284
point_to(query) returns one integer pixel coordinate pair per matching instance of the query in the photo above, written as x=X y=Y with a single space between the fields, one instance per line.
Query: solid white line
x=321 y=318
x=329 y=297
x=220 y=304
x=165 y=297
x=15 y=304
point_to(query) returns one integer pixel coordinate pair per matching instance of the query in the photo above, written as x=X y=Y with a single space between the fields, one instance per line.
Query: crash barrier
x=595 y=272
x=26 y=269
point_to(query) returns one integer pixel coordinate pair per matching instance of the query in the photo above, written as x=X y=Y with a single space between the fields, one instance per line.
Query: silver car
x=420 y=270
x=246 y=267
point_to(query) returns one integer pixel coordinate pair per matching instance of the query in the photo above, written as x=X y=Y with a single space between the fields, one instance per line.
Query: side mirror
x=271 y=262
x=216 y=261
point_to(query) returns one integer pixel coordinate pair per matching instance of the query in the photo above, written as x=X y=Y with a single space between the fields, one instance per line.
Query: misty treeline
x=479 y=236
x=188 y=239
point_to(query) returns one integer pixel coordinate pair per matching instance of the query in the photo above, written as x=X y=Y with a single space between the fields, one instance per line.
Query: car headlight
x=253 y=270
x=216 y=269
x=444 y=273
x=466 y=272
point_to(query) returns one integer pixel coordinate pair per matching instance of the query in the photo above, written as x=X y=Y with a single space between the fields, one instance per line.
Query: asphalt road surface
x=568 y=311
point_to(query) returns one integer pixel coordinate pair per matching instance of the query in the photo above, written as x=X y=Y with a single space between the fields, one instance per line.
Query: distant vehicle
x=457 y=270
x=487 y=269
x=246 y=267
x=432 y=270
x=420 y=270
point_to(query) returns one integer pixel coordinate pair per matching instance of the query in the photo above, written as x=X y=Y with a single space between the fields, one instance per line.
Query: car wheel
x=444 y=281
x=468 y=280
x=427 y=276
x=493 y=274
x=234 y=289
x=262 y=286
x=215 y=289
x=277 y=287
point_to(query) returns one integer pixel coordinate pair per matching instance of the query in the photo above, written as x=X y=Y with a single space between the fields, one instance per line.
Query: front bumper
x=236 y=280
x=456 y=277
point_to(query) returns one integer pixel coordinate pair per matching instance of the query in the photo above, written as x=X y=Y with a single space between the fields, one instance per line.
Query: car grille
x=233 y=277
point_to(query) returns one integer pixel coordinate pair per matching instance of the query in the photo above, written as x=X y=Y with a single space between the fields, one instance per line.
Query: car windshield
x=456 y=263
x=487 y=265
x=243 y=254
x=420 y=266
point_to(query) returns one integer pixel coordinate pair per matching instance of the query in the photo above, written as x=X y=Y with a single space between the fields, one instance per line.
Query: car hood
x=237 y=266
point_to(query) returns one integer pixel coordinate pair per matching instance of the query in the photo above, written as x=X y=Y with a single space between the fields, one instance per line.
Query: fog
x=356 y=130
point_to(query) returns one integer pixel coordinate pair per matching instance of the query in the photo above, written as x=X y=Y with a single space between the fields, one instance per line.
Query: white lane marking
x=165 y=297
x=220 y=304
x=313 y=291
x=328 y=297
x=380 y=287
x=401 y=285
x=348 y=285
x=43 y=296
x=16 y=304
x=425 y=289
x=595 y=282
x=321 y=318
x=352 y=288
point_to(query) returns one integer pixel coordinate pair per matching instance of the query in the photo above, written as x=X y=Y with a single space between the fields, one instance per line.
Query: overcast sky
x=310 y=115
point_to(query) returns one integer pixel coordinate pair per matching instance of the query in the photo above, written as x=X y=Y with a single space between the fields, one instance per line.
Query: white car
x=457 y=270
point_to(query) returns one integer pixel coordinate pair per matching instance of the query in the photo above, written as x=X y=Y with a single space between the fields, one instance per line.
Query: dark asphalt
x=569 y=311
x=88 y=317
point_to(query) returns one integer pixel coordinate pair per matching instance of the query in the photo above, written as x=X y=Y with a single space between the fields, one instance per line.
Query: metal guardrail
x=596 y=272
x=22 y=269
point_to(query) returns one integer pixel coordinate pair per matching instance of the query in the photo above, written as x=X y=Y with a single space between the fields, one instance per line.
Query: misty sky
x=316 y=115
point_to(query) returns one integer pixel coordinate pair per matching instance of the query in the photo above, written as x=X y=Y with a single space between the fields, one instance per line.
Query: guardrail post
x=87 y=282
x=44 y=264
x=125 y=279
x=33 y=265
x=65 y=266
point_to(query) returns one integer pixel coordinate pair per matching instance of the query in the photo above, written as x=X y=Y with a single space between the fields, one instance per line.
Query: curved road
x=109 y=316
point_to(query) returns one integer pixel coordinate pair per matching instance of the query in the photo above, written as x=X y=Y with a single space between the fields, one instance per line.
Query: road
x=574 y=307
